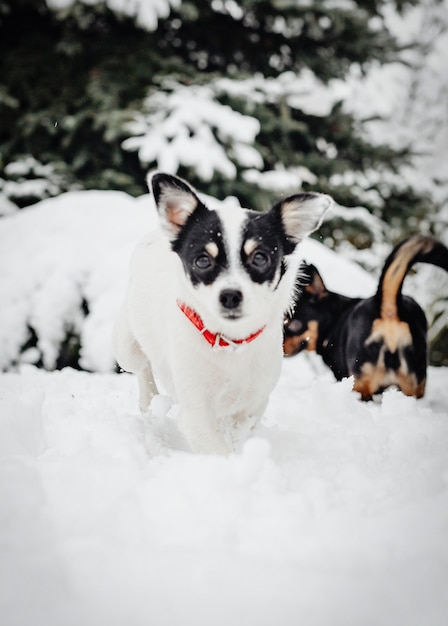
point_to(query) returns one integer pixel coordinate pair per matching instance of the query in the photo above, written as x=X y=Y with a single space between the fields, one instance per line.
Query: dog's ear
x=175 y=201
x=302 y=214
x=315 y=286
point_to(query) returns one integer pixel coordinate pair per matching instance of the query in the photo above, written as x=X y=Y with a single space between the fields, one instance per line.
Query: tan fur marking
x=374 y=378
x=421 y=387
x=368 y=382
x=311 y=335
x=249 y=246
x=212 y=249
x=395 y=274
x=292 y=345
x=409 y=386
x=394 y=333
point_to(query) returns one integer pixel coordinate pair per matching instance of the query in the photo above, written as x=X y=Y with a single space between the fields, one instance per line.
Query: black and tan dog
x=382 y=340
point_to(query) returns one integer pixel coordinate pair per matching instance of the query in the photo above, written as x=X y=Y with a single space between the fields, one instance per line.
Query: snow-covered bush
x=63 y=266
x=27 y=181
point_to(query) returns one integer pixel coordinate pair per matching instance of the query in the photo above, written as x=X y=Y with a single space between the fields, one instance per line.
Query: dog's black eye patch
x=262 y=250
x=200 y=247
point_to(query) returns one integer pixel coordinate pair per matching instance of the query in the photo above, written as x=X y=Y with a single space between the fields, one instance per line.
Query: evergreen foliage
x=74 y=80
x=81 y=88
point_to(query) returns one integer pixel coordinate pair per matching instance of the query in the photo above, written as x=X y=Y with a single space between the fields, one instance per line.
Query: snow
x=281 y=180
x=335 y=511
x=177 y=128
x=302 y=91
x=146 y=12
x=412 y=97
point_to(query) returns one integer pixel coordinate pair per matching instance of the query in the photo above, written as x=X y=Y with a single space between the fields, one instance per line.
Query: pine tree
x=246 y=98
x=75 y=82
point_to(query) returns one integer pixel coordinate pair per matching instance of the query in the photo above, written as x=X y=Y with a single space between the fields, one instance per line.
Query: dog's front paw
x=203 y=437
x=202 y=445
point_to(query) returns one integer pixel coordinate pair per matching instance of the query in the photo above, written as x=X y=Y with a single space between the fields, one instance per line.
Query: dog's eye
x=203 y=262
x=294 y=326
x=260 y=260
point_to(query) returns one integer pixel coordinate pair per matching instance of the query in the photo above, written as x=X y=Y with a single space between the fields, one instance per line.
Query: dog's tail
x=415 y=249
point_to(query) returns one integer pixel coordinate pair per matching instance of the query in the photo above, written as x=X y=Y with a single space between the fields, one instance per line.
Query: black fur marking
x=160 y=181
x=266 y=230
x=283 y=269
x=202 y=227
x=289 y=243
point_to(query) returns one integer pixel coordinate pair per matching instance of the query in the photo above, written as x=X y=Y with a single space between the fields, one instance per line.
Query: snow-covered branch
x=146 y=12
x=188 y=126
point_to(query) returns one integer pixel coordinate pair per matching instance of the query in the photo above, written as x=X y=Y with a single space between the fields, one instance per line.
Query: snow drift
x=335 y=512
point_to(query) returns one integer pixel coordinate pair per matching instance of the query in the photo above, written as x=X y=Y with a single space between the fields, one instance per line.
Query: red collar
x=214 y=339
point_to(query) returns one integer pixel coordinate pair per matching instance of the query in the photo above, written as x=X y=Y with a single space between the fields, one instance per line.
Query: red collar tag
x=214 y=339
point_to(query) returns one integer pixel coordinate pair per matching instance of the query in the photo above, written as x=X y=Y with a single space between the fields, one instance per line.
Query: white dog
x=205 y=306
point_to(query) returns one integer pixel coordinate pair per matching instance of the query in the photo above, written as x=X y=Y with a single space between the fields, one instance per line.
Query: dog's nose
x=230 y=298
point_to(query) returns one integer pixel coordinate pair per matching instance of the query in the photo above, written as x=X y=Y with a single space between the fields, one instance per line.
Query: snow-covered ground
x=334 y=513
